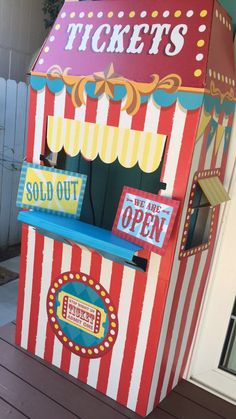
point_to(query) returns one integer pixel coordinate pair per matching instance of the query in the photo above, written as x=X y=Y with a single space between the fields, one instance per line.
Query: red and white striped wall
x=157 y=310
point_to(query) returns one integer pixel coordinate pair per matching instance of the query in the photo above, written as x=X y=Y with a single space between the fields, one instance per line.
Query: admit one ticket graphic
x=81 y=314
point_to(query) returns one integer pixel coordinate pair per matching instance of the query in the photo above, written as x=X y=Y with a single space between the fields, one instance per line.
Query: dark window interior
x=200 y=220
x=105 y=183
x=228 y=357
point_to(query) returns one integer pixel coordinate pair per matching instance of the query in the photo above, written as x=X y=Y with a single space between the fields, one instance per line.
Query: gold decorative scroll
x=215 y=91
x=109 y=143
x=106 y=81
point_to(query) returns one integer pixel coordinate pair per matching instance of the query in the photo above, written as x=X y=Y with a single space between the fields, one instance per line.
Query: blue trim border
x=188 y=100
x=21 y=189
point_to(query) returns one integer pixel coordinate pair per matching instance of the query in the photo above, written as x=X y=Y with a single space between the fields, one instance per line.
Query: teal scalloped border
x=188 y=100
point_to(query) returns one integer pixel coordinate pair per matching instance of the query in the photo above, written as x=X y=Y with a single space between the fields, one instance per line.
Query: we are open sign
x=145 y=219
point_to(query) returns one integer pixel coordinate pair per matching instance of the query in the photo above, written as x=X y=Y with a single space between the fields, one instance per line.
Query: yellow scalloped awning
x=110 y=143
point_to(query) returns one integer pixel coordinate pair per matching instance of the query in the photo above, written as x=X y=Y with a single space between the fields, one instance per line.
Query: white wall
x=21 y=34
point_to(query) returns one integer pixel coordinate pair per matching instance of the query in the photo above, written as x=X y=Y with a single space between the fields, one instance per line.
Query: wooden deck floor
x=30 y=388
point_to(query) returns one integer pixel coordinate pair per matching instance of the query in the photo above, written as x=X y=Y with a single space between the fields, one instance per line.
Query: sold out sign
x=145 y=219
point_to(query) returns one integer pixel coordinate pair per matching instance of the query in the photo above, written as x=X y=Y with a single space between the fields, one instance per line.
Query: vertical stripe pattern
x=158 y=309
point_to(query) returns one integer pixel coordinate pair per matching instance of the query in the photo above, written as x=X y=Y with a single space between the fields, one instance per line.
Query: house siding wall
x=22 y=33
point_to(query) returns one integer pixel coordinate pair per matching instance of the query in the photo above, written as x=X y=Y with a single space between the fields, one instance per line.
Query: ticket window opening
x=105 y=183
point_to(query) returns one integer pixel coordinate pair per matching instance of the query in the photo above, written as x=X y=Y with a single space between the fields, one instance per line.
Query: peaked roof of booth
x=174 y=39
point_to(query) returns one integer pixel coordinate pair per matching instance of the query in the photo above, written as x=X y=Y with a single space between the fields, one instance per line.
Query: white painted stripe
x=39 y=118
x=152 y=117
x=45 y=284
x=123 y=316
x=176 y=138
x=102 y=110
x=85 y=266
x=105 y=280
x=176 y=327
x=173 y=280
x=80 y=113
x=28 y=287
x=125 y=119
x=66 y=258
x=190 y=316
x=65 y=266
x=152 y=278
x=59 y=103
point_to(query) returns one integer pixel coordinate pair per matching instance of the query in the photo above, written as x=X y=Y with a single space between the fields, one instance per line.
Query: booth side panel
x=220 y=77
x=125 y=373
x=133 y=294
x=189 y=275
x=184 y=128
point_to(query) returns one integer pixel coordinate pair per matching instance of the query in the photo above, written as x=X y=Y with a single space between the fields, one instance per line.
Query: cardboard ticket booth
x=130 y=116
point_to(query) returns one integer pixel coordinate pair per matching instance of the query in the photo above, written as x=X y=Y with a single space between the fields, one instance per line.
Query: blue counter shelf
x=69 y=229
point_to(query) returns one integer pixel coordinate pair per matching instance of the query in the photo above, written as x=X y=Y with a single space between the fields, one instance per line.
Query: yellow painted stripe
x=124 y=149
x=56 y=141
x=69 y=140
x=76 y=149
x=144 y=151
x=104 y=144
x=129 y=146
x=114 y=145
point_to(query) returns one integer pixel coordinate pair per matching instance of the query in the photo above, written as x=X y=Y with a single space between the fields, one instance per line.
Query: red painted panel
x=88 y=36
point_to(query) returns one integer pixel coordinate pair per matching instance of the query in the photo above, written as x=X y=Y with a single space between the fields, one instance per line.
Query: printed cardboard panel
x=82 y=315
x=51 y=190
x=171 y=36
x=221 y=69
x=145 y=219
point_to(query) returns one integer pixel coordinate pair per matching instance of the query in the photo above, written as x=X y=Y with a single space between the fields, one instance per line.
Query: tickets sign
x=51 y=190
x=145 y=219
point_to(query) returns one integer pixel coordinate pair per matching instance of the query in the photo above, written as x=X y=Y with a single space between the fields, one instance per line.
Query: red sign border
x=153 y=197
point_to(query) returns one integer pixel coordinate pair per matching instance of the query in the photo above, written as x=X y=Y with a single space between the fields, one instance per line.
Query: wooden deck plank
x=51 y=384
x=206 y=399
x=8 y=412
x=184 y=408
x=29 y=400
x=36 y=389
x=94 y=401
x=160 y=414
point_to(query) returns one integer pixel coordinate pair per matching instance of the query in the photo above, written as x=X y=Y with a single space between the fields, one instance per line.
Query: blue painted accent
x=21 y=188
x=211 y=102
x=188 y=100
x=55 y=86
x=212 y=132
x=82 y=233
x=37 y=82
